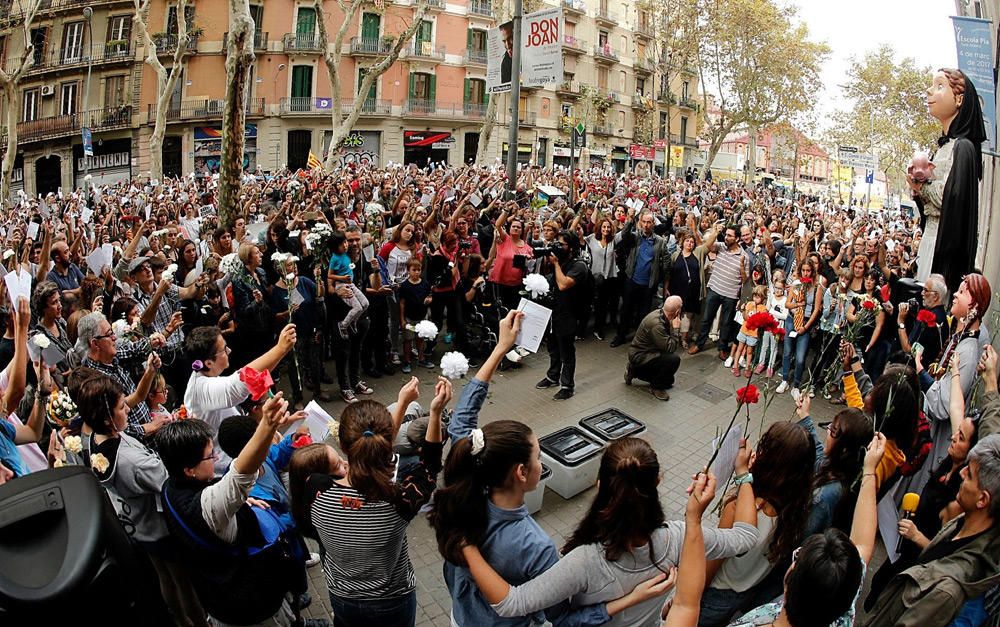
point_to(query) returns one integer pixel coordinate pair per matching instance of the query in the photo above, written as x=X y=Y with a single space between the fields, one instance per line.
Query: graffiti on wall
x=360 y=148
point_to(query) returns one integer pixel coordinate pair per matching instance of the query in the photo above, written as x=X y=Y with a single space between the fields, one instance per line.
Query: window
x=622 y=81
x=475 y=91
x=621 y=120
x=29 y=105
x=72 y=44
x=257 y=13
x=305 y=28
x=372 y=92
x=119 y=28
x=640 y=86
x=424 y=34
x=477 y=40
x=39 y=37
x=421 y=86
x=602 y=38
x=370 y=26
x=684 y=129
x=172 y=26
x=302 y=84
x=67 y=98
x=663 y=125
x=684 y=90
x=114 y=91
x=602 y=78
x=567 y=111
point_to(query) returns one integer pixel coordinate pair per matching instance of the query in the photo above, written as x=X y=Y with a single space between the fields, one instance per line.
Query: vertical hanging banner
x=541 y=52
x=973 y=42
x=499 y=60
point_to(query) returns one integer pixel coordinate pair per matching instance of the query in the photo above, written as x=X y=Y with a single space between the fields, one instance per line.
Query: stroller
x=482 y=319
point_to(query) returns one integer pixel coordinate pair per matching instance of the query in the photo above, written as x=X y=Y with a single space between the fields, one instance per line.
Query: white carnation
x=41 y=341
x=536 y=285
x=425 y=329
x=99 y=462
x=73 y=444
x=454 y=365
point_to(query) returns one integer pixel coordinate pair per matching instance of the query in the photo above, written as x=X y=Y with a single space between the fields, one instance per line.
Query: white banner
x=499 y=47
x=541 y=52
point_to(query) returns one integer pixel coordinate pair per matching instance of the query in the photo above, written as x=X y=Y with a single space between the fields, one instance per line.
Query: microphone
x=911 y=501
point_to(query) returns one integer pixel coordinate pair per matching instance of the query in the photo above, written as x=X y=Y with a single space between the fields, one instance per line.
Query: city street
x=701 y=402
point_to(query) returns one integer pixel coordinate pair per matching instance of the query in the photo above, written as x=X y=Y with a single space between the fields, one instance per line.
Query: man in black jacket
x=570 y=280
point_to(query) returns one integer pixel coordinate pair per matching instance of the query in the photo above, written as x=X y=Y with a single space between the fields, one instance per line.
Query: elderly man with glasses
x=930 y=335
x=96 y=340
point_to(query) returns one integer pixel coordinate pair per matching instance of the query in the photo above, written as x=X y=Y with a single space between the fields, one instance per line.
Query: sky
x=914 y=28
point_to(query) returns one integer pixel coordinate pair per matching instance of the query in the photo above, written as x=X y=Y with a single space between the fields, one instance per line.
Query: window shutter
x=433 y=84
x=413 y=84
x=468 y=90
x=468 y=39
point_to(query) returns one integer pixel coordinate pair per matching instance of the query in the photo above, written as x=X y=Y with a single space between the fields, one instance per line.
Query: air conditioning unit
x=48 y=90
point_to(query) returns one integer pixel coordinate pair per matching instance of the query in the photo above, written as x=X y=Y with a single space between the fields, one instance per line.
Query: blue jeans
x=800 y=345
x=713 y=302
x=401 y=611
x=718 y=606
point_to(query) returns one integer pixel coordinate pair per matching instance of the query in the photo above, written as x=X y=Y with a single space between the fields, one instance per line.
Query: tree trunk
x=10 y=151
x=239 y=60
x=715 y=146
x=486 y=130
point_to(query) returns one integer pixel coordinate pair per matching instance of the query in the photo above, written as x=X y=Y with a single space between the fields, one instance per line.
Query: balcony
x=568 y=90
x=260 y=40
x=474 y=110
x=605 y=54
x=207 y=109
x=77 y=57
x=601 y=129
x=606 y=17
x=308 y=105
x=642 y=102
x=435 y=4
x=364 y=47
x=572 y=45
x=107 y=119
x=642 y=66
x=419 y=107
x=167 y=44
x=481 y=8
x=688 y=102
x=424 y=51
x=528 y=118
x=302 y=43
x=475 y=57
x=666 y=98
x=11 y=10
x=573 y=9
x=643 y=31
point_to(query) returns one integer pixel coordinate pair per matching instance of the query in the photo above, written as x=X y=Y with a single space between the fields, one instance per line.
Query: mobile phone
x=918 y=348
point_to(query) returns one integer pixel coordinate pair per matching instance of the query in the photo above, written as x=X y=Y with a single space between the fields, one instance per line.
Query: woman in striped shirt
x=361 y=519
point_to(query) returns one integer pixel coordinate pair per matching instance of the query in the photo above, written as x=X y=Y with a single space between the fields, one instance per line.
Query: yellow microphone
x=911 y=501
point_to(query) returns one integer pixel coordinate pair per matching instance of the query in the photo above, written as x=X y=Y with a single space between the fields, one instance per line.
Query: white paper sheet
x=100 y=257
x=86 y=214
x=316 y=420
x=52 y=355
x=18 y=284
x=725 y=463
x=533 y=325
x=32 y=231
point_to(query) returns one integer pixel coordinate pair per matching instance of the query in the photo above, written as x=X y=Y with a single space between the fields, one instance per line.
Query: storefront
x=619 y=159
x=642 y=159
x=560 y=156
x=523 y=153
x=360 y=147
x=208 y=149
x=17 y=176
x=112 y=162
x=598 y=158
x=423 y=147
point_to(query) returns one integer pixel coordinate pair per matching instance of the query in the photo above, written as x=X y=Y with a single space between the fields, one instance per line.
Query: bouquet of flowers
x=126 y=333
x=373 y=218
x=280 y=260
x=318 y=243
x=61 y=410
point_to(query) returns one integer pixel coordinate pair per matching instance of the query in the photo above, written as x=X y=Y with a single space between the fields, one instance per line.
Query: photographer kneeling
x=570 y=277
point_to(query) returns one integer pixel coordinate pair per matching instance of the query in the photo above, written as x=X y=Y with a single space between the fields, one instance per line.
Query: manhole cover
x=710 y=393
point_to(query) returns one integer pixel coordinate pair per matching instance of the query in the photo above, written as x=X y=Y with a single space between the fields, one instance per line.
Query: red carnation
x=779 y=333
x=302 y=441
x=258 y=383
x=748 y=394
x=806 y=280
x=868 y=304
x=927 y=317
x=762 y=321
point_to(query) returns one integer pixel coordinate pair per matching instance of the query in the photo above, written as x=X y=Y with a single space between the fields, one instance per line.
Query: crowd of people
x=169 y=353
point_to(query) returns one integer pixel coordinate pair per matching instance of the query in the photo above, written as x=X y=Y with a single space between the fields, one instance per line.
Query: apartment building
x=429 y=105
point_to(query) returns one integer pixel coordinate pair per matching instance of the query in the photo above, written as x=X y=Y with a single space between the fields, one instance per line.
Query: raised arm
x=271 y=359
x=18 y=370
x=864 y=528
x=687 y=601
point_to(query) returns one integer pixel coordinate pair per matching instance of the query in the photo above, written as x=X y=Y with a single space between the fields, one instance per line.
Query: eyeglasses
x=795 y=554
x=225 y=350
x=831 y=429
x=108 y=335
x=215 y=457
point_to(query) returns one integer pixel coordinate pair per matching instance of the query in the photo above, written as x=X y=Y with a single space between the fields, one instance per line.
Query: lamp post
x=88 y=14
x=274 y=94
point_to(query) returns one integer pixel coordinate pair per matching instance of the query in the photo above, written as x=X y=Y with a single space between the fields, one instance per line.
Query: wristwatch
x=902 y=326
x=744 y=478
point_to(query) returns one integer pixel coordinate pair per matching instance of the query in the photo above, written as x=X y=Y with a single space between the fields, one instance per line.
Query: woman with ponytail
x=623 y=551
x=361 y=518
x=486 y=475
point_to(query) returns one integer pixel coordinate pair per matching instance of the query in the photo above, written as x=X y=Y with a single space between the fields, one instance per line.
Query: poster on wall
x=973 y=42
x=499 y=59
x=111 y=162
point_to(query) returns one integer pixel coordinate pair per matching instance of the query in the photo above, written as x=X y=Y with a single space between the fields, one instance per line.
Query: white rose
x=41 y=341
x=73 y=444
x=99 y=462
x=290 y=276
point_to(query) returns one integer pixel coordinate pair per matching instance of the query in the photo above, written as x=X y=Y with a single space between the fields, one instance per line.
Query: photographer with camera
x=570 y=277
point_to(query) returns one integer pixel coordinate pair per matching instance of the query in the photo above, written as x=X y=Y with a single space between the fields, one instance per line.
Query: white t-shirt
x=213 y=399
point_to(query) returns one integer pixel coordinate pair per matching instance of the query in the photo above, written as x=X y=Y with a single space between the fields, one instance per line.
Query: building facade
x=428 y=107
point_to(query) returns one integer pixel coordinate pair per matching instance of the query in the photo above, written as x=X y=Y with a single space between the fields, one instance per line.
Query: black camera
x=465 y=245
x=913 y=304
x=545 y=251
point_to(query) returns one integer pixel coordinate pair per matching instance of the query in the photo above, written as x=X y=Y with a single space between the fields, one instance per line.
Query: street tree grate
x=710 y=393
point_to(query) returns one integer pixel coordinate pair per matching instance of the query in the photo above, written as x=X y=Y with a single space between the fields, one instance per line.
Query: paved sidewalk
x=702 y=402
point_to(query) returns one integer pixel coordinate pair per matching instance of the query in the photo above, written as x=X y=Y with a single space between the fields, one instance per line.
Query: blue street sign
x=869 y=176
x=88 y=143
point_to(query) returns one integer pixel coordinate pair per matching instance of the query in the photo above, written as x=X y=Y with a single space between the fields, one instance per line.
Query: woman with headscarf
x=949 y=201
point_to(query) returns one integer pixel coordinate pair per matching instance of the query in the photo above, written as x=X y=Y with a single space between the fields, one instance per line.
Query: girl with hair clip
x=782 y=481
x=486 y=475
x=622 y=551
x=133 y=477
x=368 y=571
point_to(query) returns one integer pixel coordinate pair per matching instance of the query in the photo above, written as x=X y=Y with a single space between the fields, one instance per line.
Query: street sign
x=580 y=136
x=88 y=142
x=869 y=176
x=852 y=157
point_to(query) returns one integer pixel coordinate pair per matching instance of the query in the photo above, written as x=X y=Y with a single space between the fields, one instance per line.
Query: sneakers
x=427 y=363
x=362 y=388
x=662 y=395
x=796 y=393
x=513 y=356
x=394 y=358
x=406 y=368
x=782 y=388
x=759 y=369
x=599 y=335
x=729 y=361
x=312 y=561
x=770 y=372
x=348 y=396
x=694 y=350
x=563 y=394
x=343 y=330
x=545 y=384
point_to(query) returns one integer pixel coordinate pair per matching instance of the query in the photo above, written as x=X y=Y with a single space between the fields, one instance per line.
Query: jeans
x=713 y=303
x=606 y=303
x=347 y=356
x=637 y=301
x=768 y=352
x=562 y=359
x=659 y=372
x=398 y=611
x=876 y=359
x=800 y=345
x=719 y=605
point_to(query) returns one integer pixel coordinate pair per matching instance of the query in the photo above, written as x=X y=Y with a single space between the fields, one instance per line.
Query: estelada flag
x=314 y=163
